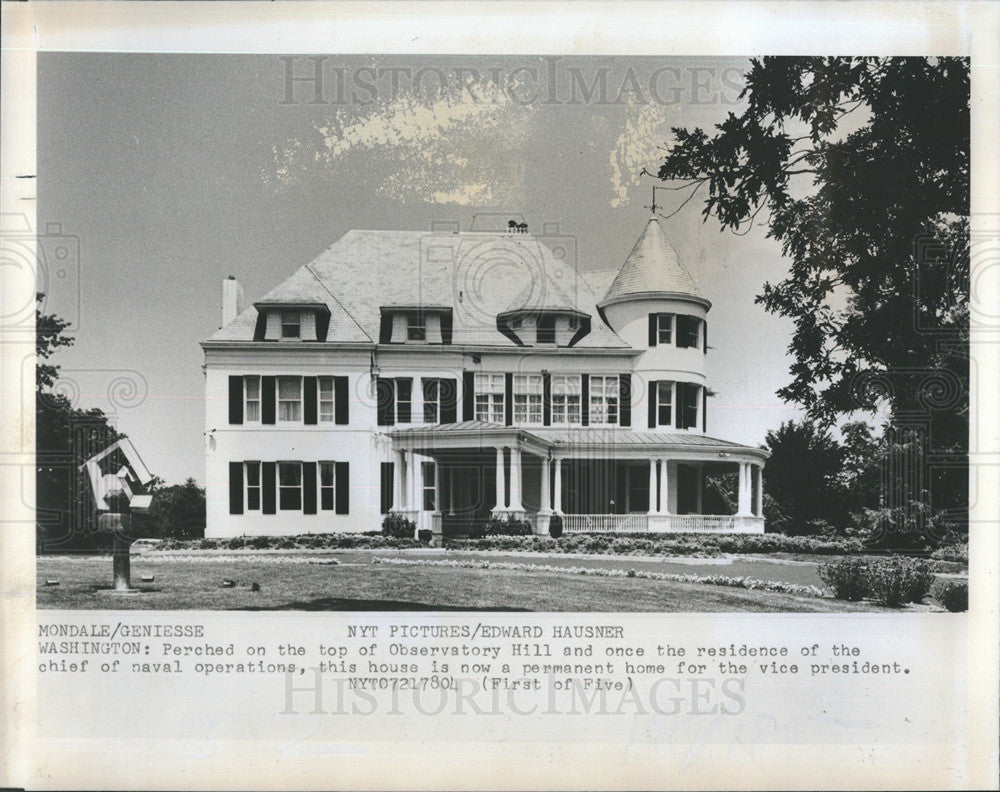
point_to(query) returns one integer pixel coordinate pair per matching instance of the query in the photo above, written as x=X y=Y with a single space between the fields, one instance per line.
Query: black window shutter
x=508 y=398
x=678 y=406
x=468 y=395
x=546 y=399
x=341 y=407
x=268 y=487
x=236 y=400
x=236 y=488
x=652 y=405
x=267 y=399
x=385 y=394
x=704 y=409
x=585 y=399
x=448 y=394
x=343 y=485
x=308 y=487
x=387 y=472
x=704 y=335
x=385 y=329
x=309 y=400
x=652 y=329
x=446 y=327
x=625 y=399
x=404 y=393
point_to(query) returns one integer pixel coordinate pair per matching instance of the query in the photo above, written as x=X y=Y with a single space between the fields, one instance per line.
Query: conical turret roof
x=652 y=269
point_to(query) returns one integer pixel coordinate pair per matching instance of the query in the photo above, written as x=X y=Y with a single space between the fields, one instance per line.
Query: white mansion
x=450 y=375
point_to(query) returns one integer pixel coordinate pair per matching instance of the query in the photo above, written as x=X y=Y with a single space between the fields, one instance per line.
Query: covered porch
x=452 y=477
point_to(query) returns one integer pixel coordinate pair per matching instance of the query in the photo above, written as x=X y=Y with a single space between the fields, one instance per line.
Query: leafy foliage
x=898 y=580
x=848 y=578
x=396 y=526
x=860 y=169
x=953 y=594
x=177 y=512
x=507 y=526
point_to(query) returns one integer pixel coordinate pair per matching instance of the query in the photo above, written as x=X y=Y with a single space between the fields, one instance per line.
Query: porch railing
x=605 y=523
x=672 y=523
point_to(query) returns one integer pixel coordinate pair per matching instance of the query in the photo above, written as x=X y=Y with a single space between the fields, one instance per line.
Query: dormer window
x=546 y=329
x=416 y=327
x=291 y=324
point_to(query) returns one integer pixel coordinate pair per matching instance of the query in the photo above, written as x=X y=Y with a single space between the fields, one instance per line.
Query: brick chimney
x=232 y=300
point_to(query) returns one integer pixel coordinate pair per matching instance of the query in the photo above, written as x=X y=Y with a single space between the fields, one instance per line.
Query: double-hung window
x=664 y=403
x=566 y=392
x=251 y=395
x=527 y=398
x=290 y=486
x=416 y=327
x=252 y=479
x=490 y=397
x=290 y=399
x=545 y=330
x=603 y=399
x=327 y=485
x=325 y=399
x=688 y=332
x=432 y=399
x=291 y=324
x=664 y=328
x=429 y=492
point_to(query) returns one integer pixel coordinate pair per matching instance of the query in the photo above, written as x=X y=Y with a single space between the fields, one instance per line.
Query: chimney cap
x=232 y=277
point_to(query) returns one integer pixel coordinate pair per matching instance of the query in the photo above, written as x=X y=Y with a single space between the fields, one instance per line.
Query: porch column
x=501 y=504
x=451 y=491
x=743 y=508
x=411 y=481
x=759 y=510
x=515 y=479
x=398 y=493
x=437 y=488
x=663 y=479
x=557 y=503
x=546 y=497
x=653 y=486
x=701 y=487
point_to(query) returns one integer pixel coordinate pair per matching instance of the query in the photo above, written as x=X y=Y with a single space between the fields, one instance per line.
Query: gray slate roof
x=652 y=266
x=478 y=275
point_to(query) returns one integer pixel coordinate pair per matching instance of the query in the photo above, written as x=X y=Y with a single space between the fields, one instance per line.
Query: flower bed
x=332 y=541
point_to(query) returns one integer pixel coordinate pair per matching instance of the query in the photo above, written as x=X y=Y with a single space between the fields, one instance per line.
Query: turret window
x=688 y=332
x=664 y=403
x=664 y=328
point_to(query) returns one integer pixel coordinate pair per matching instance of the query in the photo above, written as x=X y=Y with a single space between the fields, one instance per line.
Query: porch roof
x=562 y=441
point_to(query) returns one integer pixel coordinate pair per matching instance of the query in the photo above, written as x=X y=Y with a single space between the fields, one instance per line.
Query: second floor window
x=566 y=398
x=416 y=327
x=429 y=492
x=290 y=399
x=291 y=324
x=527 y=398
x=664 y=328
x=325 y=401
x=665 y=403
x=490 y=398
x=688 y=332
x=432 y=399
x=603 y=399
x=546 y=329
x=327 y=485
x=251 y=394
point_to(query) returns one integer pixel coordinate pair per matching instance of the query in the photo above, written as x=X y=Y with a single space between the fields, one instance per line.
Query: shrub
x=396 y=526
x=509 y=526
x=848 y=578
x=555 y=526
x=286 y=543
x=953 y=594
x=425 y=535
x=958 y=552
x=898 y=580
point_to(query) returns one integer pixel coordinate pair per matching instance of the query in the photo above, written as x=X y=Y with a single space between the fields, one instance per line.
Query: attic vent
x=513 y=227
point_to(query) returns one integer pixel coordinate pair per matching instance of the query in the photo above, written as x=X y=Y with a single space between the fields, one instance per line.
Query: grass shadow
x=344 y=604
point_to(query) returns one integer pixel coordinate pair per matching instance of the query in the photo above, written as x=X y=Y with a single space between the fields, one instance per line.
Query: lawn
x=296 y=581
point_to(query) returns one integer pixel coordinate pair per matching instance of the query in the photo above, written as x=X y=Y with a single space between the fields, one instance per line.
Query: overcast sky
x=175 y=171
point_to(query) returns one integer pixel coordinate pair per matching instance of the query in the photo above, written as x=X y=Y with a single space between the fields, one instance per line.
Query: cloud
x=461 y=149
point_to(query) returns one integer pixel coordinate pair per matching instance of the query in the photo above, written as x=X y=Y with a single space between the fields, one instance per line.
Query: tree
x=177 y=512
x=804 y=480
x=862 y=168
x=65 y=437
